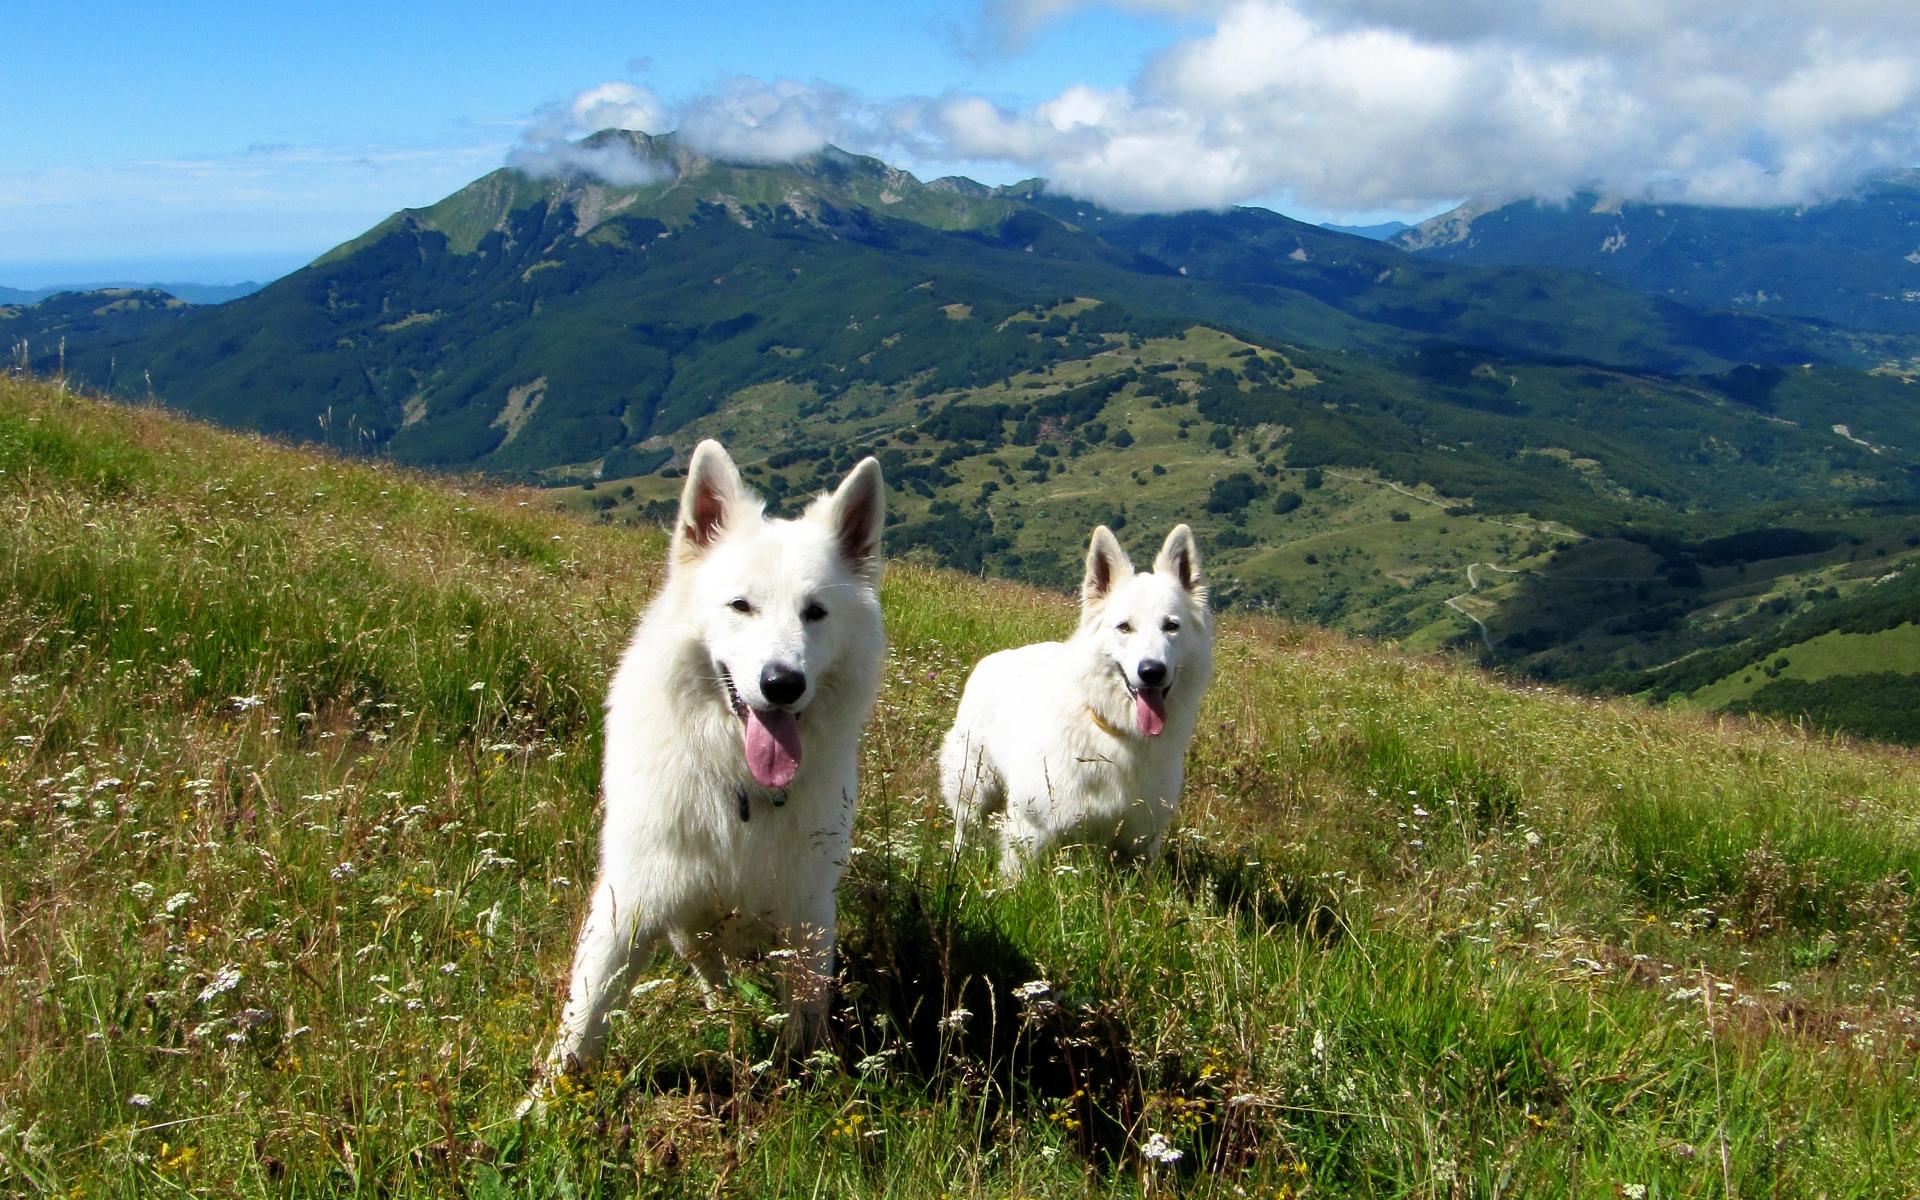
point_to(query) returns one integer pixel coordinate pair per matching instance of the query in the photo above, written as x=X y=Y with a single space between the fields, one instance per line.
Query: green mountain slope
x=297 y=814
x=629 y=311
x=1854 y=261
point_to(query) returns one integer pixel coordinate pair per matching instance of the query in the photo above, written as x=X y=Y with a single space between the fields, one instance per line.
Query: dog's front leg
x=1022 y=840
x=808 y=981
x=701 y=951
x=613 y=935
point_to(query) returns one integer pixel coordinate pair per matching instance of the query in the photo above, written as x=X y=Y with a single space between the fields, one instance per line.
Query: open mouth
x=1149 y=705
x=770 y=737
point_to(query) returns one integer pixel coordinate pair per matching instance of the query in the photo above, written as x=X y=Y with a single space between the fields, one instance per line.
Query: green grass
x=297 y=765
x=1822 y=657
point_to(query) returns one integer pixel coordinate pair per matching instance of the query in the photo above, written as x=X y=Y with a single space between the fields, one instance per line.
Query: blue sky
x=208 y=142
x=219 y=141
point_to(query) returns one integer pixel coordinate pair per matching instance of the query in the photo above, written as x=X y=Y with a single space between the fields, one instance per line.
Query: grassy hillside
x=296 y=815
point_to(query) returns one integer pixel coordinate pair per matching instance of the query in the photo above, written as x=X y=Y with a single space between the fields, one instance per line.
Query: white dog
x=1086 y=740
x=732 y=725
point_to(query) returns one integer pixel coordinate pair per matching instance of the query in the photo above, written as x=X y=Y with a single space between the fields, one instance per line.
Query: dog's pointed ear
x=712 y=497
x=1107 y=564
x=856 y=512
x=1179 y=557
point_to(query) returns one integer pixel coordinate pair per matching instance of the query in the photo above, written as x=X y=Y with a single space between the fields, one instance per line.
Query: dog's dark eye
x=1125 y=627
x=1170 y=625
x=813 y=612
x=740 y=604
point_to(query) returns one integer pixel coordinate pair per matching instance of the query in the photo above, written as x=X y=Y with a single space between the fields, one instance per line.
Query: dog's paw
x=552 y=1079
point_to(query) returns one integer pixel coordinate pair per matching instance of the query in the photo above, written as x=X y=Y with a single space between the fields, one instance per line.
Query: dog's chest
x=1110 y=769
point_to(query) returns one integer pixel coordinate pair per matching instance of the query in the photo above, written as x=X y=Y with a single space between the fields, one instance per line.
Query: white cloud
x=741 y=120
x=608 y=162
x=1370 y=104
x=617 y=106
x=747 y=120
x=1374 y=105
x=548 y=148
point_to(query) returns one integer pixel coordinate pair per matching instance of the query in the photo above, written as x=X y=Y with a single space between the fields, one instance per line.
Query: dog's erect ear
x=857 y=512
x=1180 y=558
x=711 y=497
x=1107 y=564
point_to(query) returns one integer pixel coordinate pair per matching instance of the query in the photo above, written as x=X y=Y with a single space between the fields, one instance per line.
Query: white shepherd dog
x=732 y=725
x=1086 y=740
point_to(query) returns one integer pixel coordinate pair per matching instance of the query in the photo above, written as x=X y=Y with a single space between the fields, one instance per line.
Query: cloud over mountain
x=547 y=147
x=1365 y=105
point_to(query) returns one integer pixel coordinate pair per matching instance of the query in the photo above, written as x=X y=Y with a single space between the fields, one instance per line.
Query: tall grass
x=297 y=765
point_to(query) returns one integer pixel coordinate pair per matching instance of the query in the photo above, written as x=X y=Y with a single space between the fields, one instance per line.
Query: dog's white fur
x=693 y=850
x=1047 y=734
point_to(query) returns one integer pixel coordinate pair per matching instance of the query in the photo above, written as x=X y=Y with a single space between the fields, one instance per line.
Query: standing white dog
x=732 y=725
x=1086 y=740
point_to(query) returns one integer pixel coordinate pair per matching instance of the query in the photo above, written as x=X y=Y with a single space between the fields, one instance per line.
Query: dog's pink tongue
x=772 y=739
x=1150 y=711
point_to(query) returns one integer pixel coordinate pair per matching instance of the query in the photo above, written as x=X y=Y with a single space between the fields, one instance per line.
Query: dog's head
x=780 y=606
x=1155 y=629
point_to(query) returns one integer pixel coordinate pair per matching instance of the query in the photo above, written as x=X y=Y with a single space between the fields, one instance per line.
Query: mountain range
x=1575 y=476
x=1853 y=261
x=192 y=293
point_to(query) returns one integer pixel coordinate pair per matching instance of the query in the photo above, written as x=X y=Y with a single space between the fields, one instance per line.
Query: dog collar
x=746 y=810
x=1103 y=725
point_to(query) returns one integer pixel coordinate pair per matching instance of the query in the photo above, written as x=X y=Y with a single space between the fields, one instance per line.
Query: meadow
x=297 y=775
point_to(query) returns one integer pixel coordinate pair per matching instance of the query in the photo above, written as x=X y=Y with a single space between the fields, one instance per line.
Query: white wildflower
x=1033 y=989
x=343 y=872
x=140 y=1100
x=243 y=703
x=142 y=891
x=179 y=900
x=1158 y=1149
x=224 y=980
x=957 y=1019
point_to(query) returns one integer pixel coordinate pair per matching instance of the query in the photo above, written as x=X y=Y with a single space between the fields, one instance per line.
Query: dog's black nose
x=781 y=684
x=1153 y=672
